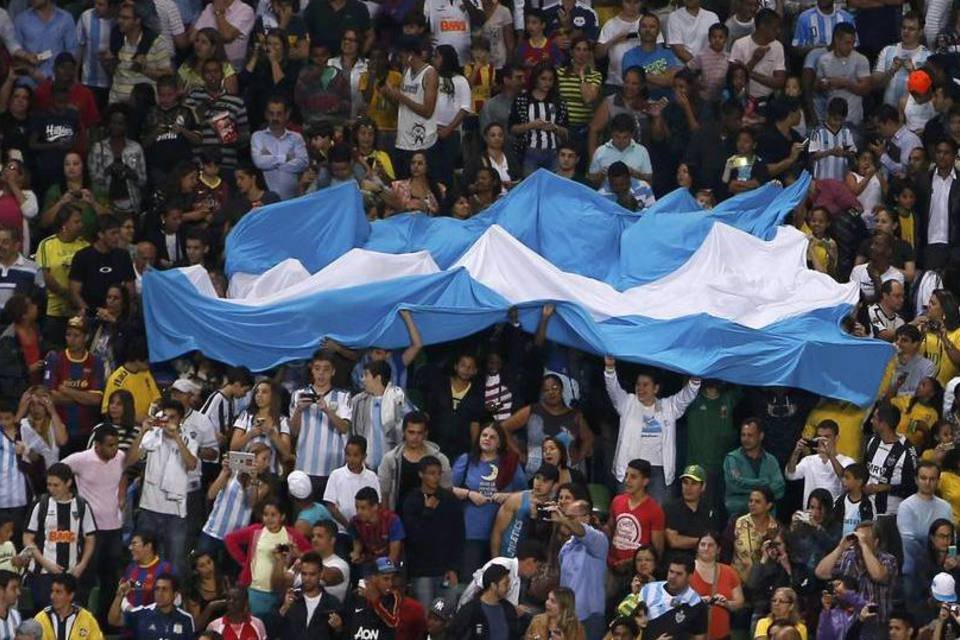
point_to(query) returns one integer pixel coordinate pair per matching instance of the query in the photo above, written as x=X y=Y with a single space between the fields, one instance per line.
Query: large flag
x=722 y=294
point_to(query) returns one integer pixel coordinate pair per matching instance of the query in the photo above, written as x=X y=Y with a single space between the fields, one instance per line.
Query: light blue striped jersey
x=230 y=511
x=13 y=484
x=822 y=139
x=815 y=28
x=93 y=36
x=319 y=444
x=245 y=422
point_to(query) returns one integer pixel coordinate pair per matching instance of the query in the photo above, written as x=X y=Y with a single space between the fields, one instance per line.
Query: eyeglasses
x=349 y=40
x=781 y=601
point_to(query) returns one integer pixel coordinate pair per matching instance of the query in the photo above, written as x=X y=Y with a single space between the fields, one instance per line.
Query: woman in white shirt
x=40 y=426
x=353 y=65
x=453 y=105
x=262 y=422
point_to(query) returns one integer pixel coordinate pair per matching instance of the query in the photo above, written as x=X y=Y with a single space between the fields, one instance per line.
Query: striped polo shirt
x=578 y=112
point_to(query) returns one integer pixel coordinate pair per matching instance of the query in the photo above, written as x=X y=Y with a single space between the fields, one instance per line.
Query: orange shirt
x=727 y=581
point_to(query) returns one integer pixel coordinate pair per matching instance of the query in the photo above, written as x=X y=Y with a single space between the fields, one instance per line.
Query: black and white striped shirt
x=527 y=109
x=63 y=527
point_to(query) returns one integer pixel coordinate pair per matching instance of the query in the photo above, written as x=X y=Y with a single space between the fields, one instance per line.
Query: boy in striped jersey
x=222 y=406
x=234 y=496
x=141 y=574
x=832 y=144
x=815 y=26
x=319 y=421
x=14 y=485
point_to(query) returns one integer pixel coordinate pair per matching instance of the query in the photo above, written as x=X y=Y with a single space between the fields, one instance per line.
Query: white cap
x=185 y=385
x=944 y=587
x=299 y=485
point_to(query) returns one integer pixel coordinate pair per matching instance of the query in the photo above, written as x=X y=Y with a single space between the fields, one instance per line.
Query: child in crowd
x=854 y=506
x=822 y=249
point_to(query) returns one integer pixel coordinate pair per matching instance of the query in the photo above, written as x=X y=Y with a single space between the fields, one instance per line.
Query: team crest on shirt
x=679 y=616
x=178 y=628
x=579 y=21
x=83 y=633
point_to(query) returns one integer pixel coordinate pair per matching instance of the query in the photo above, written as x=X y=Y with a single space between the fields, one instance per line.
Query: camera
x=283 y=548
x=312 y=397
x=543 y=513
x=934 y=326
x=811 y=443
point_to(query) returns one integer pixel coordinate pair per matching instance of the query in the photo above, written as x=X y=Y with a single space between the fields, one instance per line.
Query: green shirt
x=711 y=432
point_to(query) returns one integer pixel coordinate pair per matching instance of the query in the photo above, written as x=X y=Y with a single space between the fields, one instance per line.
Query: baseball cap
x=385 y=566
x=77 y=322
x=183 y=385
x=548 y=471
x=694 y=472
x=919 y=81
x=299 y=485
x=441 y=608
x=944 y=587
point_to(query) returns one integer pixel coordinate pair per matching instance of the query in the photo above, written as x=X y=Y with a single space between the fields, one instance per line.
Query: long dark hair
x=508 y=461
x=825 y=498
x=449 y=67
x=951 y=313
x=554 y=94
x=219 y=50
x=275 y=401
x=128 y=418
x=931 y=551
x=935 y=403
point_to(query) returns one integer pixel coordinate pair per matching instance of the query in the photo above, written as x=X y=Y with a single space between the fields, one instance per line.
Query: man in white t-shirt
x=618 y=35
x=821 y=465
x=688 y=28
x=171 y=455
x=872 y=274
x=449 y=23
x=763 y=56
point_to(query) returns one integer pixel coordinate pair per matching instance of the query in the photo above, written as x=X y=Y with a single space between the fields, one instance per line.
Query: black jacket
x=434 y=536
x=469 y=623
x=295 y=622
x=924 y=194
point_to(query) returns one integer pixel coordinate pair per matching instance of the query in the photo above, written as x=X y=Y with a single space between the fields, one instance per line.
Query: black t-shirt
x=97 y=271
x=52 y=127
x=689 y=523
x=15 y=133
x=239 y=206
x=363 y=622
x=409 y=478
x=168 y=147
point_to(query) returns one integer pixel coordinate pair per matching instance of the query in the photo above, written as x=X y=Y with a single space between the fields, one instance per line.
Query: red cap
x=919 y=82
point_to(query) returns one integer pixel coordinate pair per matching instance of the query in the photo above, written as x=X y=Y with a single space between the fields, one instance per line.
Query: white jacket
x=666 y=410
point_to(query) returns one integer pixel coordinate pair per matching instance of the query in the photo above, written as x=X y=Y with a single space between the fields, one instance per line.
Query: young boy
x=212 y=190
x=480 y=72
x=376 y=530
x=537 y=47
x=853 y=504
x=7 y=551
x=832 y=143
x=224 y=405
x=168 y=132
x=712 y=63
x=744 y=170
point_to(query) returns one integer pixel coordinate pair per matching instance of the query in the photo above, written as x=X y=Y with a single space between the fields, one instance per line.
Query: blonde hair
x=794 y=616
x=567 y=619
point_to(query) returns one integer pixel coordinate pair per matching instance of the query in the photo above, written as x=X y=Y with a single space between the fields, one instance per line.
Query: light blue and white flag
x=721 y=294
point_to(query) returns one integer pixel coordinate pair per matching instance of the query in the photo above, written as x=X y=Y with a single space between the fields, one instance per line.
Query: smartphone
x=952 y=551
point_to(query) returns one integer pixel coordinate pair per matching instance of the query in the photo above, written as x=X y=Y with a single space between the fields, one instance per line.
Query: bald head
x=146 y=254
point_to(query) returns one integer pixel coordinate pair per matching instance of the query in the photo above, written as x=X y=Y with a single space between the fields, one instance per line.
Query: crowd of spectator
x=502 y=486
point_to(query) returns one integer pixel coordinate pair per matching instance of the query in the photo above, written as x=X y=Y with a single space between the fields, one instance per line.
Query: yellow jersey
x=56 y=255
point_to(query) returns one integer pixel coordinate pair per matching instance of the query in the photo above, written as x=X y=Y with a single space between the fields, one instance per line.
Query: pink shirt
x=98 y=483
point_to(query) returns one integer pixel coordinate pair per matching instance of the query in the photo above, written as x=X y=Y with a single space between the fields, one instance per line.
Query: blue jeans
x=171 y=533
x=534 y=159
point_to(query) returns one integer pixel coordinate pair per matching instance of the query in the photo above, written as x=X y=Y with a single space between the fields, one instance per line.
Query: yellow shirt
x=764 y=623
x=933 y=350
x=381 y=110
x=141 y=385
x=950 y=491
x=262 y=565
x=907 y=226
x=848 y=416
x=57 y=256
x=915 y=423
